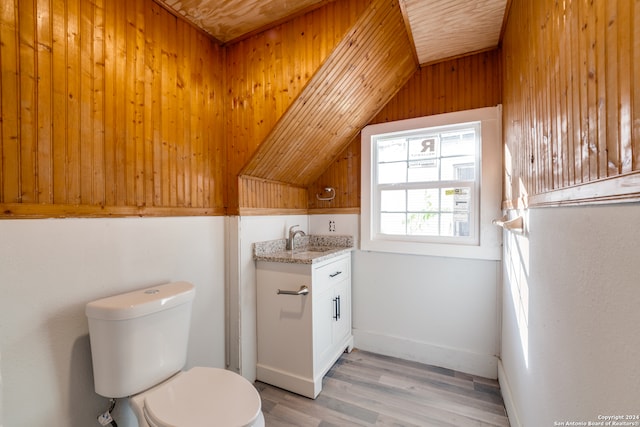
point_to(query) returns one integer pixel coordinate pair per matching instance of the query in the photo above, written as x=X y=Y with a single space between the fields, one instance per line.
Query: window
x=421 y=184
x=425 y=183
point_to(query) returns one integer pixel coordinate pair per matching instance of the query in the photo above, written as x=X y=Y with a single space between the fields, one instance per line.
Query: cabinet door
x=323 y=326
x=284 y=322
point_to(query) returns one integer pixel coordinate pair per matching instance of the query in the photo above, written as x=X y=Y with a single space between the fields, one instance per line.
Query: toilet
x=139 y=349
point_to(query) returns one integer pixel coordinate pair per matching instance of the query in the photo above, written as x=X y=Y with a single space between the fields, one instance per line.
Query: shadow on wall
x=75 y=381
x=70 y=361
x=84 y=404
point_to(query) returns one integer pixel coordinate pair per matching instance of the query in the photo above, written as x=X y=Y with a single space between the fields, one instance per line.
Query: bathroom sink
x=312 y=251
x=308 y=249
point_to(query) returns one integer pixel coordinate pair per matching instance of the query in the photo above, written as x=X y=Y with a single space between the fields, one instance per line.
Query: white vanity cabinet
x=301 y=335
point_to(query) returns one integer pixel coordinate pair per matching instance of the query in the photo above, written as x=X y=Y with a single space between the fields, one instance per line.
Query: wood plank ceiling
x=227 y=20
x=362 y=74
x=449 y=28
x=372 y=62
x=439 y=28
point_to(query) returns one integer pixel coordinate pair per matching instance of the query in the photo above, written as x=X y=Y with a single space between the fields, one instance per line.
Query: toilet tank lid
x=141 y=302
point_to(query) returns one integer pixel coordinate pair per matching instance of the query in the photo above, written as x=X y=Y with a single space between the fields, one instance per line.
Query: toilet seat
x=203 y=397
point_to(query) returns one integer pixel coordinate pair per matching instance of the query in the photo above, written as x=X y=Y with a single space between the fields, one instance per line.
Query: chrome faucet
x=292 y=236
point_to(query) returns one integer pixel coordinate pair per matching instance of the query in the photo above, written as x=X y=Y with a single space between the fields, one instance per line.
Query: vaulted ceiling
x=365 y=70
x=447 y=28
x=363 y=73
x=439 y=28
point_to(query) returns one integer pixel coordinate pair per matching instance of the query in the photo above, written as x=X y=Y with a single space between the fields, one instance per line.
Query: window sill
x=433 y=249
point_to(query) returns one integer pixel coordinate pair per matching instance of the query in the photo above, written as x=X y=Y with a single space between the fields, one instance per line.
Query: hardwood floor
x=366 y=389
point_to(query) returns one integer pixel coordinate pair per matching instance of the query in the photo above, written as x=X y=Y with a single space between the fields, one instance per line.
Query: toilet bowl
x=139 y=348
x=200 y=397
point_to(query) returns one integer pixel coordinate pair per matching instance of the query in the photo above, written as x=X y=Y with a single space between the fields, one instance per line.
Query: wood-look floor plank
x=282 y=408
x=491 y=413
x=366 y=389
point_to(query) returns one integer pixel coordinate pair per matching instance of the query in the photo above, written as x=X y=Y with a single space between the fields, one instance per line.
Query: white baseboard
x=507 y=396
x=483 y=365
x=298 y=384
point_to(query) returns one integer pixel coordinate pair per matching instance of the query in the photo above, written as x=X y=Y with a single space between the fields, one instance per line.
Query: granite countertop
x=307 y=249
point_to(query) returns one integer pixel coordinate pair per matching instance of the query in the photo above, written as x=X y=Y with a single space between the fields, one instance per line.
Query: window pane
x=461 y=224
x=393 y=201
x=423 y=171
x=393 y=223
x=446 y=225
x=423 y=224
x=458 y=144
x=423 y=148
x=457 y=202
x=392 y=150
x=391 y=173
x=453 y=167
x=423 y=200
x=447 y=199
x=456 y=199
x=451 y=226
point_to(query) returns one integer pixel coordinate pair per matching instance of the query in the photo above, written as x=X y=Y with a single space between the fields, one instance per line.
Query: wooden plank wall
x=572 y=102
x=266 y=73
x=473 y=81
x=259 y=196
x=109 y=107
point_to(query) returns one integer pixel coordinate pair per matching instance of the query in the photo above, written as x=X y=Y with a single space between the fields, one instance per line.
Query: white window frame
x=486 y=244
x=376 y=191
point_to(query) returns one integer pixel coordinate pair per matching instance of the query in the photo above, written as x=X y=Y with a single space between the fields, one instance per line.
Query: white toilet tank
x=138 y=339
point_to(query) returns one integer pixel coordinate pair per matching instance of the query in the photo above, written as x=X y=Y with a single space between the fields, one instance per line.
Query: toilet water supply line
x=105 y=418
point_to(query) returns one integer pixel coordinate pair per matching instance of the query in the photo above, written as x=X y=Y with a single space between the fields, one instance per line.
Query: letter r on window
x=429 y=146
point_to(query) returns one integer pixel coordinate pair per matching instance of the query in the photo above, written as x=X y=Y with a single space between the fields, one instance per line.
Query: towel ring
x=329 y=190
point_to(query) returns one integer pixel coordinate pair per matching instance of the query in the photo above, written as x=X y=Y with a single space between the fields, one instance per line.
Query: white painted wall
x=346 y=224
x=49 y=269
x=570 y=336
x=434 y=310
